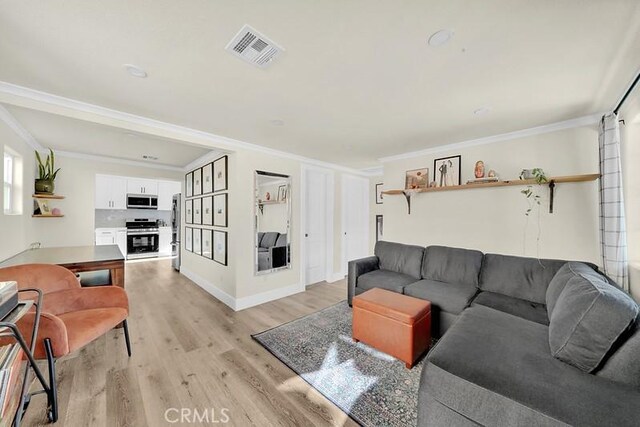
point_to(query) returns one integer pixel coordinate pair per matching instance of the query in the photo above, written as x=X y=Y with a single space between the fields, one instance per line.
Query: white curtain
x=613 y=234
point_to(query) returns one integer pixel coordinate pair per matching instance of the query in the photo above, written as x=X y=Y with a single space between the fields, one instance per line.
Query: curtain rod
x=626 y=94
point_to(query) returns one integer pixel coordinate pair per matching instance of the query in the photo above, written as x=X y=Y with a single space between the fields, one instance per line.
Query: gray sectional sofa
x=523 y=341
x=272 y=250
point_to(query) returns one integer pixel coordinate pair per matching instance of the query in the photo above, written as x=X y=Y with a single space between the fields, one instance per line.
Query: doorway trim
x=329 y=223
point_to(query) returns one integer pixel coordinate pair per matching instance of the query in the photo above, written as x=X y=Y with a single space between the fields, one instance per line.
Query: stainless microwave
x=142 y=201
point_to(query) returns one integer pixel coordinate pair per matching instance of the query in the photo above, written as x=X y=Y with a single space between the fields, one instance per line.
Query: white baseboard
x=263 y=297
x=209 y=287
x=335 y=277
x=238 y=304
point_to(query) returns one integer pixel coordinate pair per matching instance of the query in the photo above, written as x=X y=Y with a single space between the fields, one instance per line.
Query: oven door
x=142 y=243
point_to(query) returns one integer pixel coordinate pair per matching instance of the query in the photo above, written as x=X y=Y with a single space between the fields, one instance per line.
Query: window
x=12 y=199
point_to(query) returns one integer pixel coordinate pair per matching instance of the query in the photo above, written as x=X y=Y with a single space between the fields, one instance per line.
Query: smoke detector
x=253 y=47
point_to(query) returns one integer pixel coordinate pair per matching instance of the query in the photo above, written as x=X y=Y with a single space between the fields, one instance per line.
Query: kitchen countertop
x=66 y=255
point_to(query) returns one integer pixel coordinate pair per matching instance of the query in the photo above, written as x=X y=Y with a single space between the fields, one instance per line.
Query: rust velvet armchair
x=71 y=316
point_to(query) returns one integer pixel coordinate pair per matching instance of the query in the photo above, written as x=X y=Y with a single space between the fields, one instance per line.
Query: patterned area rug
x=373 y=388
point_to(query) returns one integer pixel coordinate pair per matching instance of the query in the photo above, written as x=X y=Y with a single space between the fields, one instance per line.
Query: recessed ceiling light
x=440 y=38
x=135 y=71
x=277 y=122
x=482 y=111
x=148 y=157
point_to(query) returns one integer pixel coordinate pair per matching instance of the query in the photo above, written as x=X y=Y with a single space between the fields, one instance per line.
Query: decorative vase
x=527 y=174
x=44 y=186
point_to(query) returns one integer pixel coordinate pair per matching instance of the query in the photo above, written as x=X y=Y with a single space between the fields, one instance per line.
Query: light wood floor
x=189 y=351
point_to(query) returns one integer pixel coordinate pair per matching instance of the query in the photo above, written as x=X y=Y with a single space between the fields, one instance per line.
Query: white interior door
x=315 y=226
x=355 y=219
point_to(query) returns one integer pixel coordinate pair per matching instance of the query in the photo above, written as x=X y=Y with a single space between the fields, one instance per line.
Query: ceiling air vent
x=254 y=48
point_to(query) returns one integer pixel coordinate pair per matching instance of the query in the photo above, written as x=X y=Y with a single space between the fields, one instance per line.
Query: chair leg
x=53 y=395
x=126 y=336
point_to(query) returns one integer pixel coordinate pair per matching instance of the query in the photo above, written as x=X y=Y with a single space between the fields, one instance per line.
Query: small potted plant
x=45 y=183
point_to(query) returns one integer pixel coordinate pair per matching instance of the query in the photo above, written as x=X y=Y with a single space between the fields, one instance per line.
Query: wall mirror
x=272 y=223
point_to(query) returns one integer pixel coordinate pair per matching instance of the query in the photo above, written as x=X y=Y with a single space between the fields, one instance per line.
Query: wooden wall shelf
x=47 y=196
x=552 y=181
x=47 y=216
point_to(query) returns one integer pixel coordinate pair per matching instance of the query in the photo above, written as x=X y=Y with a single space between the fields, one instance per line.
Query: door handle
x=306 y=235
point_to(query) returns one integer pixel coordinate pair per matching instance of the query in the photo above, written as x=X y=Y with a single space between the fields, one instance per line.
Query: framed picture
x=197 y=241
x=188 y=239
x=207 y=179
x=220 y=247
x=188 y=212
x=207 y=210
x=197 y=182
x=446 y=171
x=188 y=184
x=197 y=211
x=416 y=178
x=220 y=213
x=378 y=227
x=282 y=193
x=43 y=206
x=207 y=240
x=220 y=181
x=379 y=189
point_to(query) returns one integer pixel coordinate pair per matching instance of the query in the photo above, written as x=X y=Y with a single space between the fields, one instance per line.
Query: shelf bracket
x=407 y=195
x=552 y=186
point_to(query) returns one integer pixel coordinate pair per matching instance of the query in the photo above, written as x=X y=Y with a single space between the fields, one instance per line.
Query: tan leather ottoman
x=396 y=324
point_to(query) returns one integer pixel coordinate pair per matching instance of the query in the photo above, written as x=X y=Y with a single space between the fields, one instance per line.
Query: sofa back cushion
x=624 y=363
x=269 y=239
x=452 y=265
x=282 y=240
x=400 y=258
x=588 y=318
x=518 y=277
x=570 y=270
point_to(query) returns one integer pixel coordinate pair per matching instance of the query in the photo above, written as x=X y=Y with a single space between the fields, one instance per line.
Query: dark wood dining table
x=78 y=259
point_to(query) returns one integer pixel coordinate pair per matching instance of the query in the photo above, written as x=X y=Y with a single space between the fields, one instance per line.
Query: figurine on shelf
x=267 y=196
x=479 y=169
x=492 y=174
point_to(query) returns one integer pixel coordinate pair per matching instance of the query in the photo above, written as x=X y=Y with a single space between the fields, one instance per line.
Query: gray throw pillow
x=589 y=316
x=558 y=283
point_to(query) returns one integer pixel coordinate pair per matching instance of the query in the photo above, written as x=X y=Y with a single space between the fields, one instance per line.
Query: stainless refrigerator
x=175 y=231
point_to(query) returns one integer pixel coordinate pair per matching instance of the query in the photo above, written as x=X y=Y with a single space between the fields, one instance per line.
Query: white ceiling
x=79 y=136
x=357 y=81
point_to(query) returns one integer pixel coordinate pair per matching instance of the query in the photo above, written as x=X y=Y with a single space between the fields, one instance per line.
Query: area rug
x=373 y=388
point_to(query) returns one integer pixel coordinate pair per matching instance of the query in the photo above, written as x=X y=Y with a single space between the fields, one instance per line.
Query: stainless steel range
x=143 y=236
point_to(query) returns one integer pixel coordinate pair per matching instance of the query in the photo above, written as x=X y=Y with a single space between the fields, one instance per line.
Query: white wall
x=14 y=229
x=492 y=219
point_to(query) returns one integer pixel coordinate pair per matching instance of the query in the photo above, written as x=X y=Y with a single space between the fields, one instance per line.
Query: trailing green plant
x=531 y=194
x=533 y=199
x=47 y=170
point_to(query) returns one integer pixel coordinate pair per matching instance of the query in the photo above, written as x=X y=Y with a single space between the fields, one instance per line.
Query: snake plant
x=46 y=169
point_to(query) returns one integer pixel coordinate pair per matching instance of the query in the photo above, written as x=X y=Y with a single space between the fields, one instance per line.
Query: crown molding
x=374 y=171
x=42 y=101
x=539 y=130
x=202 y=160
x=17 y=127
x=108 y=159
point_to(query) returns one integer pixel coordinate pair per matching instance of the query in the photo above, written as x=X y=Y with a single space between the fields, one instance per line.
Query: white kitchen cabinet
x=142 y=186
x=111 y=192
x=166 y=190
x=121 y=240
x=105 y=236
x=164 y=243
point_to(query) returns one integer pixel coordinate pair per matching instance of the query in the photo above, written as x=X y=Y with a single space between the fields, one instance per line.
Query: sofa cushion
x=269 y=239
x=384 y=279
x=624 y=363
x=445 y=296
x=518 y=277
x=518 y=307
x=405 y=259
x=589 y=316
x=556 y=286
x=452 y=265
x=496 y=369
x=282 y=240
